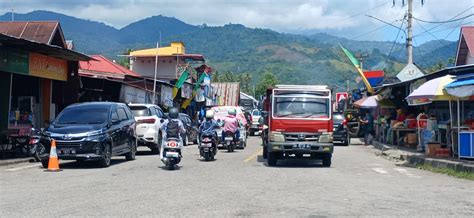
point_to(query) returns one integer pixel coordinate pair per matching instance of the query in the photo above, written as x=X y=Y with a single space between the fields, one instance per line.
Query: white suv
x=147 y=117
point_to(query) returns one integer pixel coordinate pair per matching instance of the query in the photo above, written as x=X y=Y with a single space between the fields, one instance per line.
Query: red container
x=411 y=123
x=422 y=123
x=443 y=152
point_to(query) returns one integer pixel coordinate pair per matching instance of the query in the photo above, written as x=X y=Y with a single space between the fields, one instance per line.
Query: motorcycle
x=207 y=147
x=230 y=141
x=172 y=152
x=36 y=146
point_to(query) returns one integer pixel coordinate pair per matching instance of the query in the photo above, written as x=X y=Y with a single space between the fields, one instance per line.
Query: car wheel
x=44 y=163
x=272 y=158
x=185 y=140
x=106 y=156
x=327 y=160
x=133 y=149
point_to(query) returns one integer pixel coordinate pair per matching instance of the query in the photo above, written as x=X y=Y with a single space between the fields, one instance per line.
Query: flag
x=351 y=57
x=182 y=79
x=198 y=83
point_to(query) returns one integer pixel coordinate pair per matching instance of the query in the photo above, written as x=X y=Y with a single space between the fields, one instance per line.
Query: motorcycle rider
x=172 y=127
x=231 y=124
x=209 y=126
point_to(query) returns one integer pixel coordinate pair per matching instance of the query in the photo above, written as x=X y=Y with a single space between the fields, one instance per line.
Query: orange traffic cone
x=53 y=163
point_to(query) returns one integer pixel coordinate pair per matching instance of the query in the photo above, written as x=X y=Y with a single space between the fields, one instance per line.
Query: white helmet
x=209 y=114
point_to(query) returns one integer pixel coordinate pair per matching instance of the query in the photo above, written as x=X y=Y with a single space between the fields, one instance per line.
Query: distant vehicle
x=340 y=130
x=148 y=132
x=299 y=123
x=192 y=129
x=254 y=126
x=93 y=131
x=220 y=112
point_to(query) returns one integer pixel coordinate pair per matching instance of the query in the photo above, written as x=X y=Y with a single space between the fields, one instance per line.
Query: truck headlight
x=325 y=138
x=276 y=137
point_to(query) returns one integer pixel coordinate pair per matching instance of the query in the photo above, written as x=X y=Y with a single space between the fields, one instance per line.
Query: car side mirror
x=162 y=121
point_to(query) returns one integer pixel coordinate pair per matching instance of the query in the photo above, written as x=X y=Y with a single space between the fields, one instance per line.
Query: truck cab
x=299 y=123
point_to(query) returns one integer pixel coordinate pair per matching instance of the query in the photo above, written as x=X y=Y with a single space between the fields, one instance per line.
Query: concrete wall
x=146 y=67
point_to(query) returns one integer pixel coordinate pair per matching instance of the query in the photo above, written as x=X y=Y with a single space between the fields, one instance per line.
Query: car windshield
x=83 y=115
x=140 y=111
x=337 y=118
x=301 y=106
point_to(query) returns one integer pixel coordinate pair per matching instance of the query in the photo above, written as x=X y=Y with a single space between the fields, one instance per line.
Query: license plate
x=228 y=142
x=172 y=154
x=206 y=149
x=302 y=146
x=229 y=138
x=67 y=151
x=206 y=145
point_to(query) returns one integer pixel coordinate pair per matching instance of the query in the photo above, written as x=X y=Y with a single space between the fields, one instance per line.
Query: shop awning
x=41 y=48
x=373 y=102
x=462 y=87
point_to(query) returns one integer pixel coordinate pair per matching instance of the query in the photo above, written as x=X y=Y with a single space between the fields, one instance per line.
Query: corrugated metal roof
x=228 y=92
x=104 y=68
x=37 y=31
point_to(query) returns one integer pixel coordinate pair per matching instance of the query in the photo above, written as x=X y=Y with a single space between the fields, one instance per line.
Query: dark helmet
x=173 y=113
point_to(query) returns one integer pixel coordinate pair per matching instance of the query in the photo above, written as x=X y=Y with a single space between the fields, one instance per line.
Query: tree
x=268 y=80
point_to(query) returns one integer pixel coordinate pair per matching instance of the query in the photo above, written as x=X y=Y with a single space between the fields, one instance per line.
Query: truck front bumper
x=300 y=147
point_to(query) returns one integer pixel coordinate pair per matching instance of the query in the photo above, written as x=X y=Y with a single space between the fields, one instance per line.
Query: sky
x=345 y=18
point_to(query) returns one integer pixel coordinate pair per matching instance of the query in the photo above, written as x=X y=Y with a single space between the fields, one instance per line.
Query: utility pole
x=410 y=28
x=156 y=69
x=410 y=33
x=13 y=15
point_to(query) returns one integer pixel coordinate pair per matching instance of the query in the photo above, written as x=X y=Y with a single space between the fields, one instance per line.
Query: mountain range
x=297 y=59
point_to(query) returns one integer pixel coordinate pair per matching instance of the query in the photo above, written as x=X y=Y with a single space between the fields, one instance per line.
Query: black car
x=93 y=131
x=340 y=133
x=191 y=127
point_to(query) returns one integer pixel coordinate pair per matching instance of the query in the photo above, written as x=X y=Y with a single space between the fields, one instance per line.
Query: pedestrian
x=368 y=127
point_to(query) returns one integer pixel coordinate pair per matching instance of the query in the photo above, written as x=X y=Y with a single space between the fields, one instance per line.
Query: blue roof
x=462 y=81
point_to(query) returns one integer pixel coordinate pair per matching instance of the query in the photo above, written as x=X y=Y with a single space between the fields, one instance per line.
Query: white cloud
x=330 y=16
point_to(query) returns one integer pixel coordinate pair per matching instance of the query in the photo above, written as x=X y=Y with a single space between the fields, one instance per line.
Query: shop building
x=37 y=74
x=465 y=51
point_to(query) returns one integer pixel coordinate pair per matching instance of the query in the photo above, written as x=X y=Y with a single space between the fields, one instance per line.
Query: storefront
x=32 y=80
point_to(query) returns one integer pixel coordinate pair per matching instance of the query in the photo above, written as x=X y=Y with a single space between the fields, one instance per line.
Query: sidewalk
x=11 y=161
x=412 y=158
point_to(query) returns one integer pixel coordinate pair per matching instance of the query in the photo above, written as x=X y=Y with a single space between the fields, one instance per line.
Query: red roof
x=104 y=68
x=466 y=45
x=47 y=32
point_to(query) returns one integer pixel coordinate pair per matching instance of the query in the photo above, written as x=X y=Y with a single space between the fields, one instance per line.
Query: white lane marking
x=380 y=170
x=406 y=172
x=24 y=167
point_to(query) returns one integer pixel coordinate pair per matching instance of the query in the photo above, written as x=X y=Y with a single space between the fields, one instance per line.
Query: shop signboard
x=167 y=96
x=129 y=94
x=14 y=61
x=47 y=67
x=186 y=91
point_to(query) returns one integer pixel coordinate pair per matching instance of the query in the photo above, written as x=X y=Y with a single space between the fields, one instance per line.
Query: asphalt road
x=236 y=184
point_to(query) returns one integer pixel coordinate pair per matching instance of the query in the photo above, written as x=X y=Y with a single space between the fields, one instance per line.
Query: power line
x=394 y=43
x=426 y=30
x=443 y=23
x=373 y=30
x=387 y=23
x=446 y=21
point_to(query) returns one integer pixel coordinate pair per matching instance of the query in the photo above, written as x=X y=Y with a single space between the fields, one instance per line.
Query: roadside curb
x=413 y=159
x=14 y=161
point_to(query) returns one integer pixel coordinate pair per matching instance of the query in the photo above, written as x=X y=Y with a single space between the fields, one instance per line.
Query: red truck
x=299 y=123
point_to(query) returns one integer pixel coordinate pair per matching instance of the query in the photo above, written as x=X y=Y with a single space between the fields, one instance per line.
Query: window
x=122 y=115
x=160 y=113
x=114 y=116
x=301 y=106
x=140 y=111
x=83 y=115
x=129 y=113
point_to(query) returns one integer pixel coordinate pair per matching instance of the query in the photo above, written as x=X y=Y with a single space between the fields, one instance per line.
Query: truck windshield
x=301 y=107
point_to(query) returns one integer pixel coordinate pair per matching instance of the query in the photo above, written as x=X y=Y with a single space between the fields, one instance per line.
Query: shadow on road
x=293 y=163
x=88 y=164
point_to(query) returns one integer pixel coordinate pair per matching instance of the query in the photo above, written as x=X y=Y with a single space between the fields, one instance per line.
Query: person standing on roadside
x=368 y=122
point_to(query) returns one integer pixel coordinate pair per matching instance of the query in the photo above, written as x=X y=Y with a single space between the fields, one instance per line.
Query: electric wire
x=446 y=21
x=431 y=34
x=393 y=44
x=443 y=23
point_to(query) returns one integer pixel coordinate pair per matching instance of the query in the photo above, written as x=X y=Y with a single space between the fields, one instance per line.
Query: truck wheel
x=272 y=158
x=265 y=152
x=327 y=160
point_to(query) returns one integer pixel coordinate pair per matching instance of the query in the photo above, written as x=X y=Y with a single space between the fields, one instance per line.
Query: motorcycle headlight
x=325 y=138
x=276 y=137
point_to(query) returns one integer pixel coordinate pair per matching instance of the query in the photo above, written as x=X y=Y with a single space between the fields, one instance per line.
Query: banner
x=47 y=67
x=355 y=62
x=167 y=96
x=130 y=94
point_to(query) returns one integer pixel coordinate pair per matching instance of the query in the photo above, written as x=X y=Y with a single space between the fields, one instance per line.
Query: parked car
x=93 y=131
x=148 y=118
x=340 y=131
x=191 y=129
x=254 y=125
x=222 y=111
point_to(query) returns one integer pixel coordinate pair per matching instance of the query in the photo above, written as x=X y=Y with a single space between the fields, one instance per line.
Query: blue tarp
x=462 y=81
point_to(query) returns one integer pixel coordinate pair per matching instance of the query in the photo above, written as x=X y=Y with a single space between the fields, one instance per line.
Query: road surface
x=236 y=184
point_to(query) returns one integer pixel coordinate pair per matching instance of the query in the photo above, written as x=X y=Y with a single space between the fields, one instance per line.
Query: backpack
x=172 y=129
